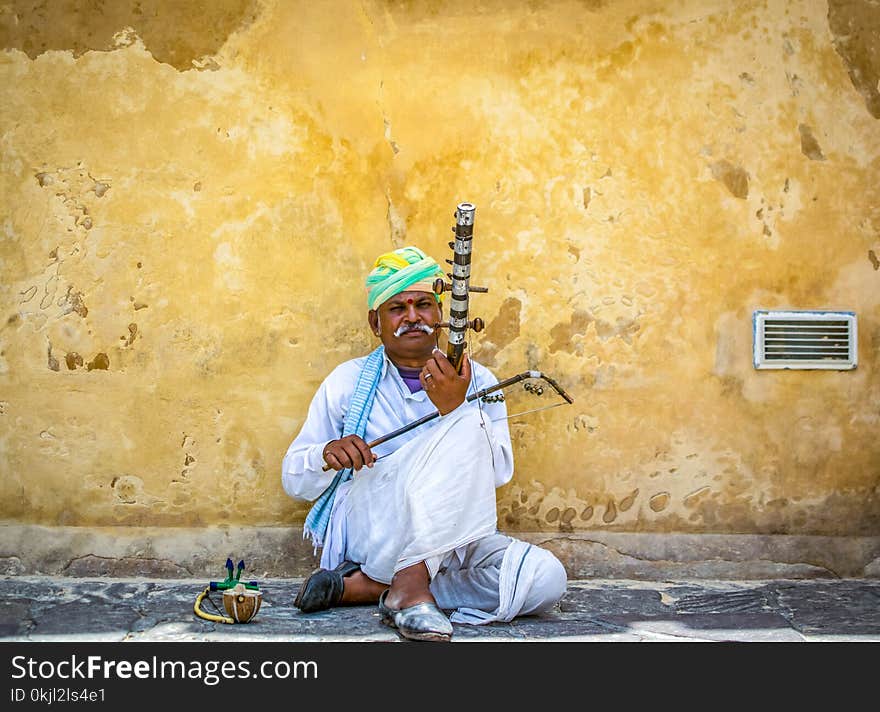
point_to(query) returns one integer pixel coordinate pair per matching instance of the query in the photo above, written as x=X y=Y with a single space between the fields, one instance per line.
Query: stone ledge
x=280 y=552
x=656 y=557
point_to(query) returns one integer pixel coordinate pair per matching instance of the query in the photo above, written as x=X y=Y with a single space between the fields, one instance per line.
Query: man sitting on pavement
x=412 y=524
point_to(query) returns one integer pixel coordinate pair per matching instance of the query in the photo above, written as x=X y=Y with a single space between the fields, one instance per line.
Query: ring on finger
x=429 y=375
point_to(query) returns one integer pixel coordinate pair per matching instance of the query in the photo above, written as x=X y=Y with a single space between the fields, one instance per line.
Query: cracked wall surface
x=193 y=193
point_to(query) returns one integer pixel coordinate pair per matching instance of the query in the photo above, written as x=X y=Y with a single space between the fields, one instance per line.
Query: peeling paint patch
x=101 y=362
x=52 y=361
x=35 y=28
x=809 y=145
x=628 y=501
x=733 y=177
x=583 y=421
x=73 y=302
x=132 y=335
x=693 y=499
x=73 y=360
x=501 y=331
x=623 y=327
x=610 y=512
x=127 y=488
x=659 y=501
x=564 y=333
x=396 y=224
x=855 y=25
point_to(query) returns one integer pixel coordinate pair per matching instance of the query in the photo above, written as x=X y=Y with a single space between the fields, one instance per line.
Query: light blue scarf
x=355 y=423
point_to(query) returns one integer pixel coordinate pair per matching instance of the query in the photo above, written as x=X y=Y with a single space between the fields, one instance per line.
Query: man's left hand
x=446 y=388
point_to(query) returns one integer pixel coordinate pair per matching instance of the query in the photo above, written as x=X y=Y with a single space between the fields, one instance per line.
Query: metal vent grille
x=805 y=339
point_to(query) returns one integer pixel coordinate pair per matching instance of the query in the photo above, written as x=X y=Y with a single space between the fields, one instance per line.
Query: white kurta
x=301 y=471
x=432 y=496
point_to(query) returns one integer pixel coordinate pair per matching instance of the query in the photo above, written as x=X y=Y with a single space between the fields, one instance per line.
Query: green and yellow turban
x=406 y=269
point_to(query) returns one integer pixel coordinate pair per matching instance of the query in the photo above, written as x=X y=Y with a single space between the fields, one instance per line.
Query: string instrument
x=484 y=394
x=460 y=287
x=458 y=325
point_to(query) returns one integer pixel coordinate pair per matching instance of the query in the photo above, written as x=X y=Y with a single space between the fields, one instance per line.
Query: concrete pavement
x=66 y=609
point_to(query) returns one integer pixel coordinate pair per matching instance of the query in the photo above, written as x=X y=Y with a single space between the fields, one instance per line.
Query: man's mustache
x=404 y=328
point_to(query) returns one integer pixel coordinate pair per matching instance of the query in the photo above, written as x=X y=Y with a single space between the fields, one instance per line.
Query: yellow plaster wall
x=192 y=193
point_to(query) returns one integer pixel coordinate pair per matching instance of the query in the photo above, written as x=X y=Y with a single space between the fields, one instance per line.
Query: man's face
x=405 y=323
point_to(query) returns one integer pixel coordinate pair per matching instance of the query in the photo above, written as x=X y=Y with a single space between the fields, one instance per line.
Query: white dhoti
x=433 y=500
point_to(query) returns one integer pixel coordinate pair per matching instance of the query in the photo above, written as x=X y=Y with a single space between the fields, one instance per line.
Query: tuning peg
x=477 y=325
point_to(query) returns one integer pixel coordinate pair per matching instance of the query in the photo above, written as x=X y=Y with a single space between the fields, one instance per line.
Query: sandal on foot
x=323 y=589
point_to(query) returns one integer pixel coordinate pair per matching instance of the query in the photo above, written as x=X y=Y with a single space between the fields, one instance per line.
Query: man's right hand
x=350 y=451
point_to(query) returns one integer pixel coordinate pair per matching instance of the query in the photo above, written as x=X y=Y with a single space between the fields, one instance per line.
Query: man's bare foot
x=359 y=589
x=410 y=586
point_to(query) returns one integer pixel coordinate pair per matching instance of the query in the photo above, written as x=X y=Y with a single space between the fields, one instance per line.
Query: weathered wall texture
x=192 y=194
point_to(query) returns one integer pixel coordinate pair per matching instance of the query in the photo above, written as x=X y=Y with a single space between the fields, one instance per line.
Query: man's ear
x=373 y=319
